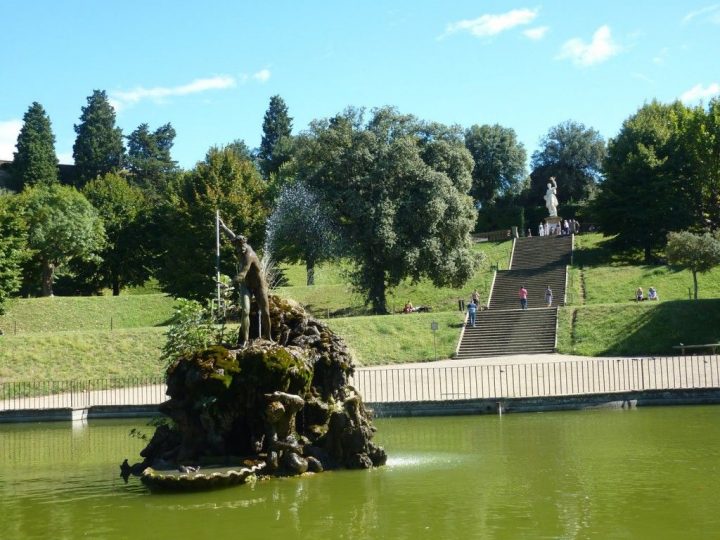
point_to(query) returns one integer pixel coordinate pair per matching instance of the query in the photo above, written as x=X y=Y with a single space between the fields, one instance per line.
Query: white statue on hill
x=551 y=201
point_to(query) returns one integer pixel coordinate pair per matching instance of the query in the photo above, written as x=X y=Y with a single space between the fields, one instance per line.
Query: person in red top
x=523 y=297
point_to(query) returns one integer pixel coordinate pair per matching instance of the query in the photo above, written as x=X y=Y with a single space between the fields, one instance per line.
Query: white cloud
x=9 y=131
x=598 y=50
x=536 y=33
x=699 y=92
x=66 y=158
x=120 y=99
x=490 y=25
x=262 y=76
x=713 y=12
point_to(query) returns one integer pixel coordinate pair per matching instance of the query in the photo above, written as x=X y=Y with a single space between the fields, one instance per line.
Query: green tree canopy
x=646 y=192
x=698 y=253
x=98 y=147
x=12 y=248
x=35 y=161
x=275 y=146
x=299 y=229
x=499 y=162
x=149 y=160
x=186 y=222
x=62 y=225
x=398 y=188
x=125 y=260
x=702 y=154
x=573 y=154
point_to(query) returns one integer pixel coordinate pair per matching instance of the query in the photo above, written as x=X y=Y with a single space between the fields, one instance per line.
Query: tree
x=122 y=207
x=499 y=162
x=275 y=145
x=573 y=154
x=647 y=191
x=149 y=160
x=62 y=225
x=697 y=253
x=186 y=221
x=98 y=148
x=703 y=151
x=300 y=230
x=35 y=161
x=12 y=249
x=398 y=188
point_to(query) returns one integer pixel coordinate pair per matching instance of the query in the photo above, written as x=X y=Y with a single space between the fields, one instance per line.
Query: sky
x=209 y=68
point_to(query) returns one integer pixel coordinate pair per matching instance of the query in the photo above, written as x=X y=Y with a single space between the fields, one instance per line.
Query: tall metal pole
x=217 y=257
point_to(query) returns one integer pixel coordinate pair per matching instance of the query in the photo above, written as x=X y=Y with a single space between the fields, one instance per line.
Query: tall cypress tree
x=277 y=127
x=149 y=159
x=98 y=148
x=35 y=161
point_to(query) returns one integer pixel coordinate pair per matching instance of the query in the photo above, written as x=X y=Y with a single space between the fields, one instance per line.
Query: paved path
x=497 y=377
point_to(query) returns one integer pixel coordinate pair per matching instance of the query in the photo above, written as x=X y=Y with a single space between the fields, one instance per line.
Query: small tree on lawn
x=62 y=225
x=697 y=253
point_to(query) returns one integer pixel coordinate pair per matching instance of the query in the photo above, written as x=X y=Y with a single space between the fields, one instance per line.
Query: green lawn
x=67 y=313
x=610 y=279
x=397 y=339
x=82 y=355
x=638 y=328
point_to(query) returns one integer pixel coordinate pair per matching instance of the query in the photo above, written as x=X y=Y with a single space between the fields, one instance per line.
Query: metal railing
x=542 y=379
x=383 y=385
x=81 y=394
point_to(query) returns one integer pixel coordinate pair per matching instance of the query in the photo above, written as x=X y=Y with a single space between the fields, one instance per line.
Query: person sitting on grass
x=652 y=294
x=639 y=295
x=408 y=307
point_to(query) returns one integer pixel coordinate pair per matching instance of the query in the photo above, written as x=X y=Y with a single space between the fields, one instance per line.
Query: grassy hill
x=64 y=338
x=66 y=313
x=603 y=319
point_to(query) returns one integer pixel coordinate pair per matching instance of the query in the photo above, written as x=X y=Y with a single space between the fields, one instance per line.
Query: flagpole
x=217 y=257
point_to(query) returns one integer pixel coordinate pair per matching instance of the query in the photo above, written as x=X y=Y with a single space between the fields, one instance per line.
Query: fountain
x=278 y=406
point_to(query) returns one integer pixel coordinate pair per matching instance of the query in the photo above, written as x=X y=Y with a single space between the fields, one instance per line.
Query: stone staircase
x=536 y=263
x=509 y=331
x=506 y=329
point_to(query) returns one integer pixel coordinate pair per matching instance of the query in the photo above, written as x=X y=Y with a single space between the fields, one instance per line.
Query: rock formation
x=285 y=402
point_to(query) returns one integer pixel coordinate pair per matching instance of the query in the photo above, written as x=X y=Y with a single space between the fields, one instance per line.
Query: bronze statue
x=249 y=280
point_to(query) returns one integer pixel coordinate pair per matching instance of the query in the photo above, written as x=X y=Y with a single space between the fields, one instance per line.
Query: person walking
x=548 y=295
x=472 y=311
x=523 y=297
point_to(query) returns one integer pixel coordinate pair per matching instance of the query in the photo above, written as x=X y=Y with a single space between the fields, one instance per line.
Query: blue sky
x=211 y=67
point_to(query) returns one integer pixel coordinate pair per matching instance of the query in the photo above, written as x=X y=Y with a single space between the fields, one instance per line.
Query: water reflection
x=634 y=474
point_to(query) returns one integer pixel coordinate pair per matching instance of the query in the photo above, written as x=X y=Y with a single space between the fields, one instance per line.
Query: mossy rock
x=270 y=368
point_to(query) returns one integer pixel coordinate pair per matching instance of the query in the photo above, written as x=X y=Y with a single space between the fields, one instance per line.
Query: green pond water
x=646 y=473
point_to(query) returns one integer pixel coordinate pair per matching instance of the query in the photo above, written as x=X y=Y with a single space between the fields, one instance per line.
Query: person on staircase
x=523 y=294
x=548 y=296
x=472 y=312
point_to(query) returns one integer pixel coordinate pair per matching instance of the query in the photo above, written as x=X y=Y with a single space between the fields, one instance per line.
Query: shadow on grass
x=606 y=253
x=657 y=330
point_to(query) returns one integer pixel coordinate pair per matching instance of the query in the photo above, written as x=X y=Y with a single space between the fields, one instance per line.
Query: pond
x=646 y=473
